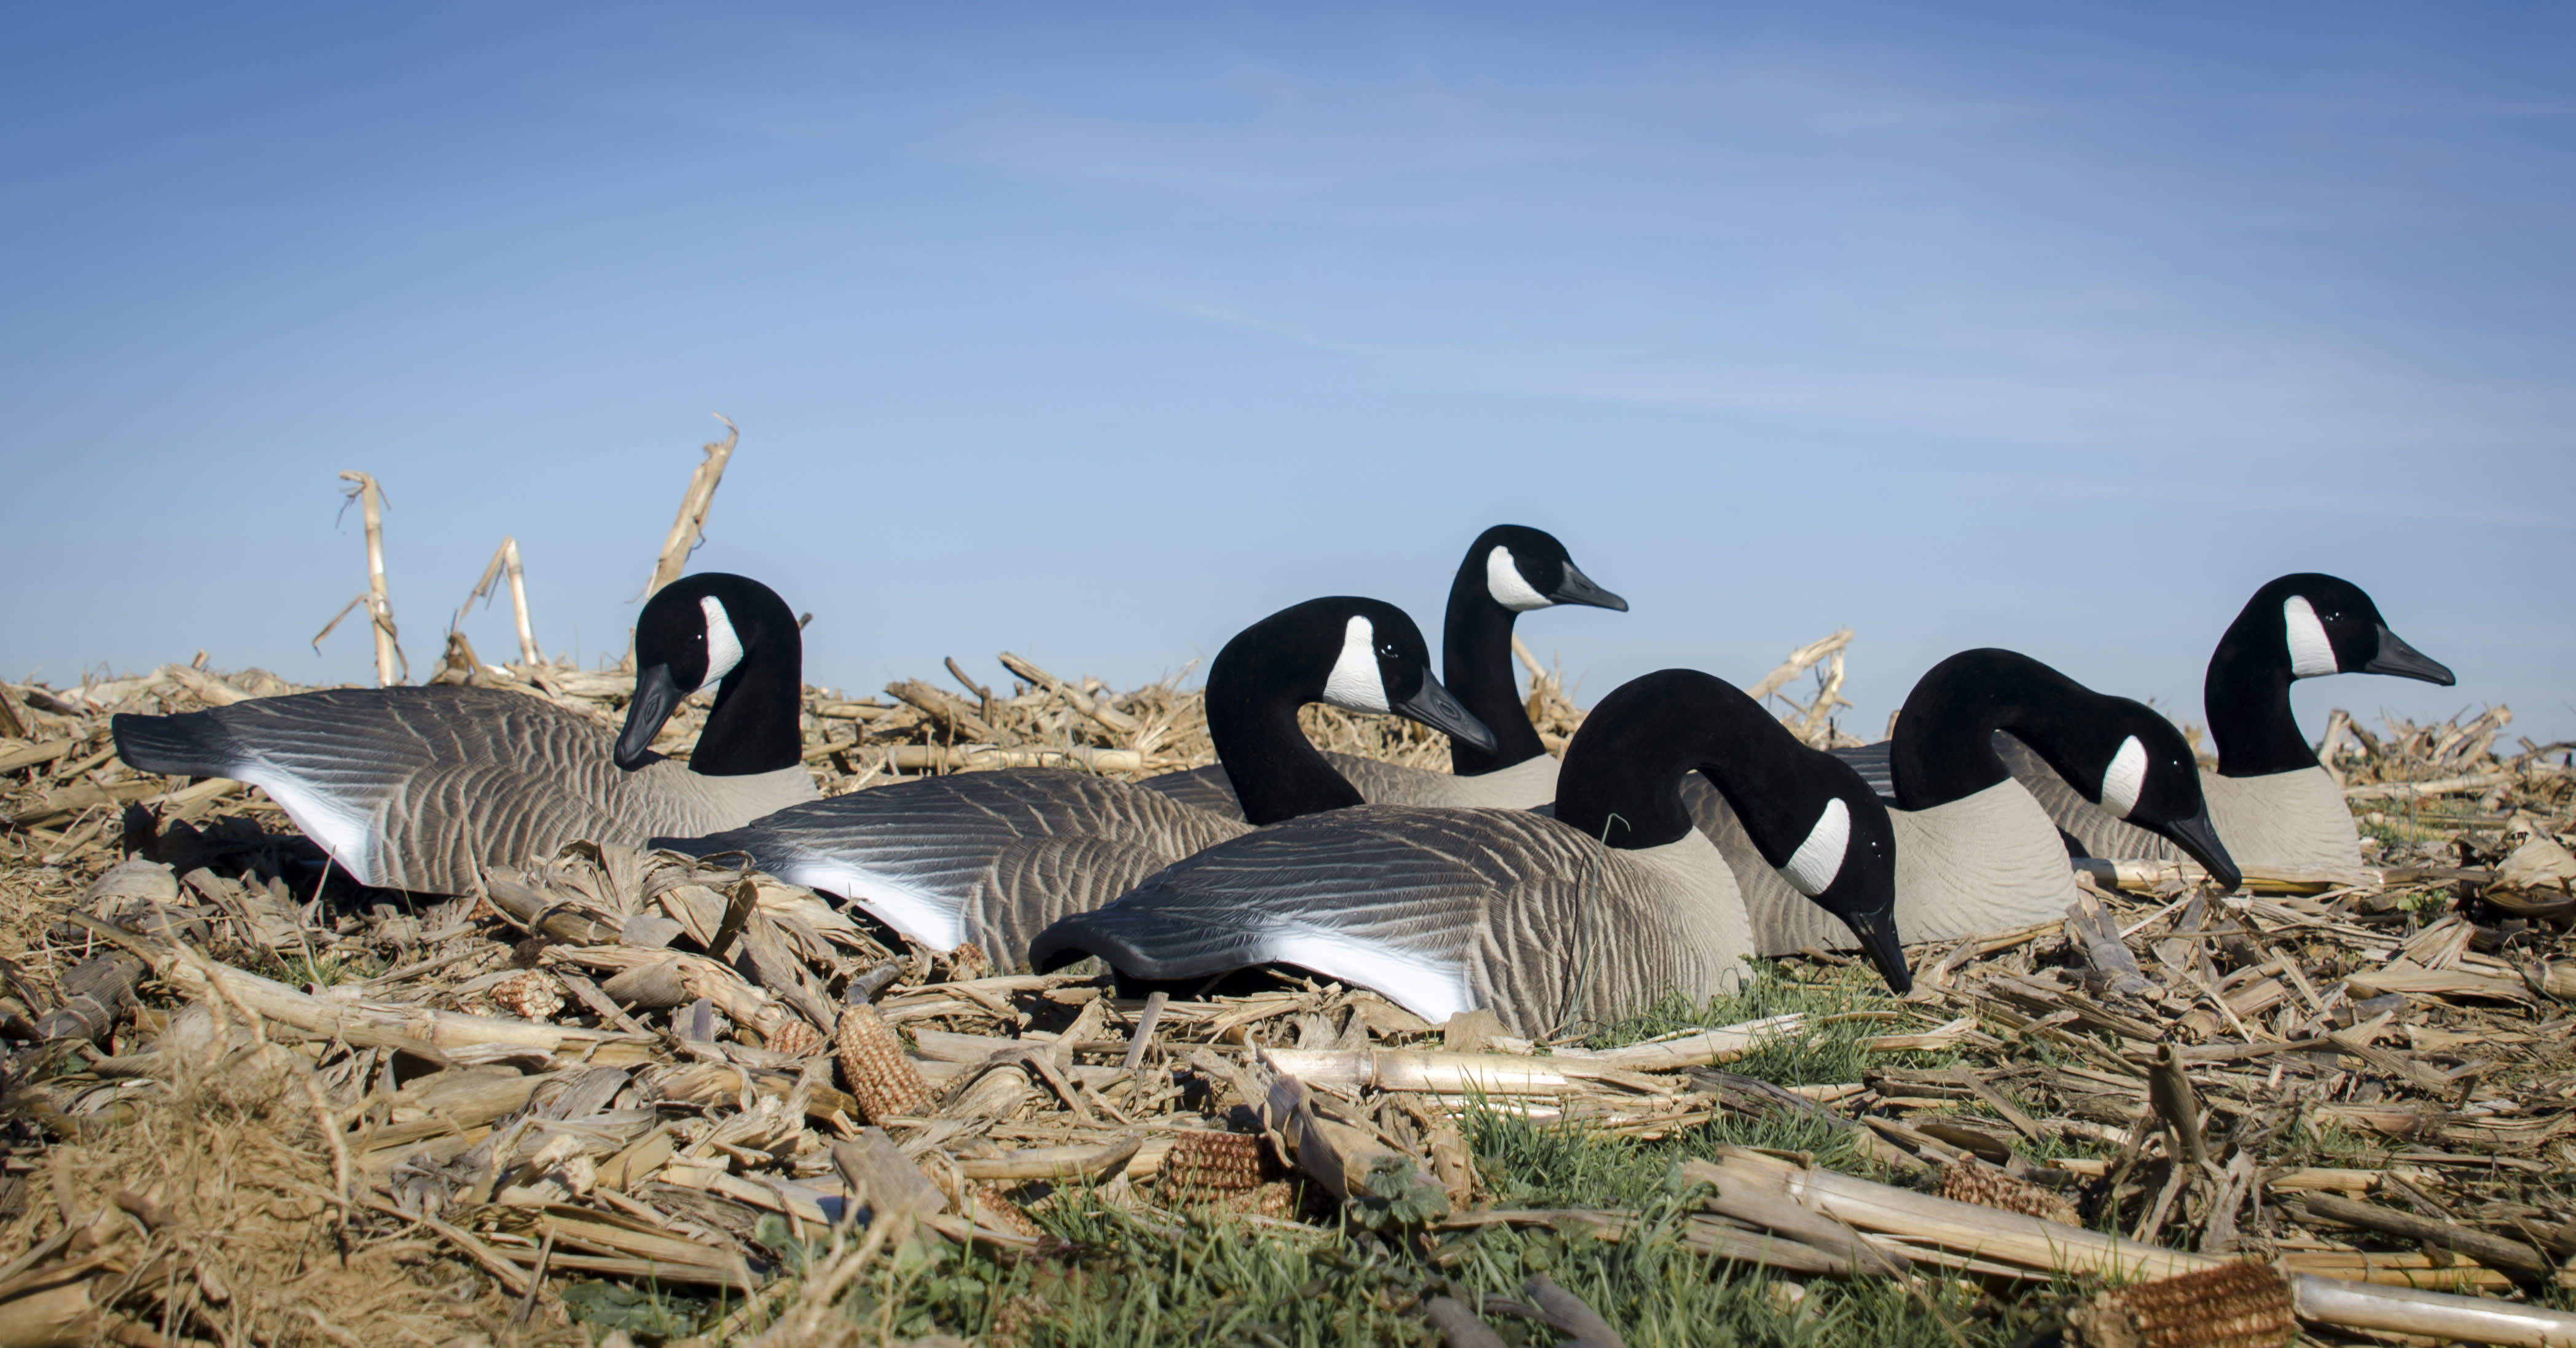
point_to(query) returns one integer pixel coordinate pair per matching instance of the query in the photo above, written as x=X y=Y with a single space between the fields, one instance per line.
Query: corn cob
x=2235 y=1306
x=533 y=995
x=878 y=1075
x=1972 y=1181
x=1230 y=1172
x=793 y=1037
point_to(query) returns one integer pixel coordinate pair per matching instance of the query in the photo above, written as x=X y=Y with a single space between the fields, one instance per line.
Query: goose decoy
x=1586 y=915
x=1509 y=570
x=419 y=788
x=993 y=857
x=2274 y=805
x=1975 y=853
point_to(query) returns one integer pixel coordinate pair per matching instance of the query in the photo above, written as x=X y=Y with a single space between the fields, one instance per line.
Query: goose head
x=1524 y=569
x=1811 y=816
x=2317 y=624
x=2137 y=766
x=1846 y=865
x=699 y=633
x=1358 y=654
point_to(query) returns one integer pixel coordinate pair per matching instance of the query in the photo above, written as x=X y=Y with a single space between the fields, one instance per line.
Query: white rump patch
x=2311 y=654
x=1503 y=580
x=2125 y=779
x=936 y=922
x=348 y=834
x=1425 y=987
x=724 y=649
x=1354 y=684
x=1811 y=870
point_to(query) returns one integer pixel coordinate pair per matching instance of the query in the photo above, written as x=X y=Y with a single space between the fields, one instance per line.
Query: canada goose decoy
x=993 y=857
x=2274 y=805
x=418 y=788
x=1585 y=915
x=1509 y=570
x=1975 y=854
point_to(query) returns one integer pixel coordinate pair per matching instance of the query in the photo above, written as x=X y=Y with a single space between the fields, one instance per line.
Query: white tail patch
x=1426 y=985
x=1354 y=684
x=2311 y=653
x=1811 y=870
x=1504 y=581
x=349 y=834
x=935 y=920
x=2125 y=779
x=724 y=649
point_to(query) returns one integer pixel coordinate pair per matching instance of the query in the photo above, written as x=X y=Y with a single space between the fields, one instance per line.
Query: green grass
x=295 y=969
x=1842 y=1007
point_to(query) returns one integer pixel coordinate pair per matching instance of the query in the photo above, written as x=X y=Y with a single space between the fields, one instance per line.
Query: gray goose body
x=1582 y=914
x=417 y=788
x=1443 y=910
x=987 y=857
x=1523 y=786
x=995 y=857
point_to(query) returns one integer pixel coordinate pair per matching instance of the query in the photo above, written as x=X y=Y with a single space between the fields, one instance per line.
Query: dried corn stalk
x=691 y=525
x=990 y=1210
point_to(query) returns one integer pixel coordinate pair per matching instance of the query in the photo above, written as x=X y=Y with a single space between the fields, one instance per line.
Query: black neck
x=1622 y=781
x=2247 y=696
x=1476 y=663
x=1944 y=746
x=1252 y=707
x=756 y=723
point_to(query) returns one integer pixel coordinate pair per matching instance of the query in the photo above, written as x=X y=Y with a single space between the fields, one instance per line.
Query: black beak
x=2406 y=662
x=656 y=697
x=1878 y=942
x=2199 y=837
x=1433 y=706
x=1577 y=588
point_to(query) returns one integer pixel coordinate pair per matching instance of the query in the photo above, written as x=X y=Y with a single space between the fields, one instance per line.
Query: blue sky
x=1095 y=333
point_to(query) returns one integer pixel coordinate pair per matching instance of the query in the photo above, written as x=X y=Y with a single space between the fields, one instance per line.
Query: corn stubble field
x=249 y=1101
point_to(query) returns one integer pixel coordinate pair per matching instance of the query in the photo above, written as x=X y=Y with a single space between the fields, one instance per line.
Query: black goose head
x=2297 y=627
x=1525 y=569
x=698 y=632
x=2318 y=624
x=1813 y=818
x=2119 y=754
x=2137 y=766
x=1357 y=654
x=1846 y=865
x=1510 y=569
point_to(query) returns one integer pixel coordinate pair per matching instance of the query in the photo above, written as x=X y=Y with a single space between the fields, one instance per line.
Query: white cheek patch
x=2125 y=779
x=1354 y=684
x=1811 y=870
x=1504 y=582
x=724 y=649
x=2311 y=654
